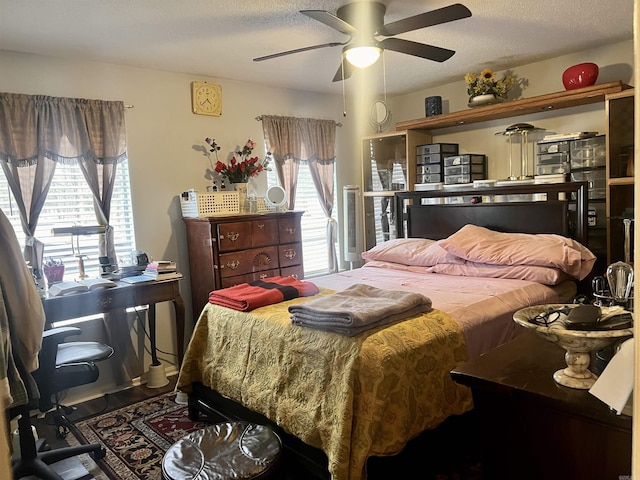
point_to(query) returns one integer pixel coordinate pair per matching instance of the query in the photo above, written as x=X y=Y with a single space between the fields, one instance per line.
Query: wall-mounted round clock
x=206 y=98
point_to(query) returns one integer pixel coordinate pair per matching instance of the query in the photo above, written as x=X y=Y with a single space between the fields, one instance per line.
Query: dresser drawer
x=264 y=232
x=290 y=254
x=241 y=235
x=296 y=271
x=234 y=236
x=289 y=230
x=250 y=277
x=248 y=261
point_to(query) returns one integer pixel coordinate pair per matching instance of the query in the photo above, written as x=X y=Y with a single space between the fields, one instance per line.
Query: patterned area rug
x=137 y=436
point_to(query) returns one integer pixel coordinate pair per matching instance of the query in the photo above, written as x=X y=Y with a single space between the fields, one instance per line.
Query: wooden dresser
x=230 y=249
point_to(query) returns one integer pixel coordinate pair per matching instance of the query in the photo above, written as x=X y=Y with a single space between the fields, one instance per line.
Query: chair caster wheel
x=61 y=432
x=69 y=410
x=99 y=455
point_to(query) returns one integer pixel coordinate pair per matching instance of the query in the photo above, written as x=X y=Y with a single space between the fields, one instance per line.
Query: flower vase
x=241 y=188
x=486 y=99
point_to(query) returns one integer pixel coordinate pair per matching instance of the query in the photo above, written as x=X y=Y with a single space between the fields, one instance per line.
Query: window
x=314 y=221
x=68 y=203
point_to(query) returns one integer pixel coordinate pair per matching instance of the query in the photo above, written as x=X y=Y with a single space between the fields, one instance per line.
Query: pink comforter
x=483 y=307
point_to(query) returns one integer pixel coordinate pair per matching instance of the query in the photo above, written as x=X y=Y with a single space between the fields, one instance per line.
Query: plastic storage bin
x=429 y=178
x=597 y=182
x=552 y=158
x=433 y=168
x=589 y=153
x=430 y=158
x=465 y=178
x=553 y=169
x=466 y=159
x=462 y=169
x=553 y=147
x=448 y=148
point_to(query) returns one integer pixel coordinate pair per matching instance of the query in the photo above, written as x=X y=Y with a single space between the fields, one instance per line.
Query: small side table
x=536 y=428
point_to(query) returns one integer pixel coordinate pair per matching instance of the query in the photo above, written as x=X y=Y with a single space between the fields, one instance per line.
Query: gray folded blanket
x=358 y=308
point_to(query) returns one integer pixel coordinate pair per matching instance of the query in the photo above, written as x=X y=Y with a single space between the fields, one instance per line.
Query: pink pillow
x=533 y=273
x=481 y=245
x=411 y=251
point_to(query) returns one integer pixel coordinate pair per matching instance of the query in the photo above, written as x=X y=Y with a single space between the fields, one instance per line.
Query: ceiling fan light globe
x=362 y=56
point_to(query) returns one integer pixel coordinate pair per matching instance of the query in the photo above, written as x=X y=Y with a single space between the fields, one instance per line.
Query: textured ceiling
x=219 y=38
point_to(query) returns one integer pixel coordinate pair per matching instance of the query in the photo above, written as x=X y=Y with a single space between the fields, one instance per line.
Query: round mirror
x=275 y=197
x=379 y=115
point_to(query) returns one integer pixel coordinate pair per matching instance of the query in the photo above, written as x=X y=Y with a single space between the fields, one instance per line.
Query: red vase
x=581 y=75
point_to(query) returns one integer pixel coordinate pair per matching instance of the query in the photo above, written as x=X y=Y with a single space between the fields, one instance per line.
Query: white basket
x=262 y=206
x=196 y=204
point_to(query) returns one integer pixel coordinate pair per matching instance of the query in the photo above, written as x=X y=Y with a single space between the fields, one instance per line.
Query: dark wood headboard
x=559 y=208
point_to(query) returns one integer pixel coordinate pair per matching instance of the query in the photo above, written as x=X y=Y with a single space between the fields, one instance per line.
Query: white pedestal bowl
x=579 y=344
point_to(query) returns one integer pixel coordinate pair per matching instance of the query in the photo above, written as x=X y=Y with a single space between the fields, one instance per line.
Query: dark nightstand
x=537 y=429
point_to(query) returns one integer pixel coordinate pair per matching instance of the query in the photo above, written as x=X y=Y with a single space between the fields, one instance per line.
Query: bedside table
x=537 y=429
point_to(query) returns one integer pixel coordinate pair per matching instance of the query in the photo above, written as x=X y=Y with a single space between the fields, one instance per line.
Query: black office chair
x=64 y=365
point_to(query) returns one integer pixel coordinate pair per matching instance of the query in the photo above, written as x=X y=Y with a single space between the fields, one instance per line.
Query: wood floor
x=452 y=451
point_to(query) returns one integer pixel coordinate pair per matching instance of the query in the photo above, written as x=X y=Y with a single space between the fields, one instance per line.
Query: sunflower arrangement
x=486 y=83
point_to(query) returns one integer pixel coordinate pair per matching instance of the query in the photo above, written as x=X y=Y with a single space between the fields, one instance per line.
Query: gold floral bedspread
x=353 y=397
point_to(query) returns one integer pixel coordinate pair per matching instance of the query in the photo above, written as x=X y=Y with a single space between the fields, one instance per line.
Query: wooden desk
x=105 y=300
x=536 y=428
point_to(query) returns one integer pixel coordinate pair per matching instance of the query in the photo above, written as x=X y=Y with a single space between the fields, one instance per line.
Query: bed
x=337 y=399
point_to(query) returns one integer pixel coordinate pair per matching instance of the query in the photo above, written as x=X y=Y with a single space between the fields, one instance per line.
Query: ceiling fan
x=364 y=21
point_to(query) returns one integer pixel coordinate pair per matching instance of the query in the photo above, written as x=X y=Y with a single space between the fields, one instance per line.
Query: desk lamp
x=76 y=231
x=521 y=133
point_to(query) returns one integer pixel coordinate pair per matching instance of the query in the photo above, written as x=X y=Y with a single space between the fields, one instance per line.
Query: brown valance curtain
x=293 y=140
x=36 y=131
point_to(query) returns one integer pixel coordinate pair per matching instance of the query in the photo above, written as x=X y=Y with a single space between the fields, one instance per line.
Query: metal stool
x=233 y=450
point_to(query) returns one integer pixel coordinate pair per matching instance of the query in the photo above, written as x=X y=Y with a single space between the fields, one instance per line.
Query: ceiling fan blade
x=429 y=52
x=343 y=75
x=435 y=17
x=297 y=50
x=330 y=20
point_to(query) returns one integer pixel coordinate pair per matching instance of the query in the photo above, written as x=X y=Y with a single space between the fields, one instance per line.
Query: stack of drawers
x=588 y=164
x=579 y=160
x=553 y=158
x=465 y=168
x=430 y=161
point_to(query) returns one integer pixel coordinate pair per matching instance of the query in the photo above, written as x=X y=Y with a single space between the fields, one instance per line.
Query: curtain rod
x=128 y=106
x=259 y=118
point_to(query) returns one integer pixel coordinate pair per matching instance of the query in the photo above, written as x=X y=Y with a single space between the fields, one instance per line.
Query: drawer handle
x=260 y=226
x=294 y=275
x=233 y=236
x=290 y=254
x=233 y=264
x=263 y=276
x=261 y=259
x=290 y=230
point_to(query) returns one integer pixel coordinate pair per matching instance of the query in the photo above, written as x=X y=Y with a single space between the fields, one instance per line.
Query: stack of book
x=162 y=270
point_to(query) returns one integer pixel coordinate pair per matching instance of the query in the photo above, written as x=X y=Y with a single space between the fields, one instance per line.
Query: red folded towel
x=249 y=296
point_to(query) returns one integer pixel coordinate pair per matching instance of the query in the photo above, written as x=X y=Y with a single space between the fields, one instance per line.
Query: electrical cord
x=142 y=323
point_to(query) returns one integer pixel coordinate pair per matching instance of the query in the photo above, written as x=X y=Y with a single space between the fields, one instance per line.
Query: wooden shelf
x=381 y=193
x=621 y=181
x=524 y=106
